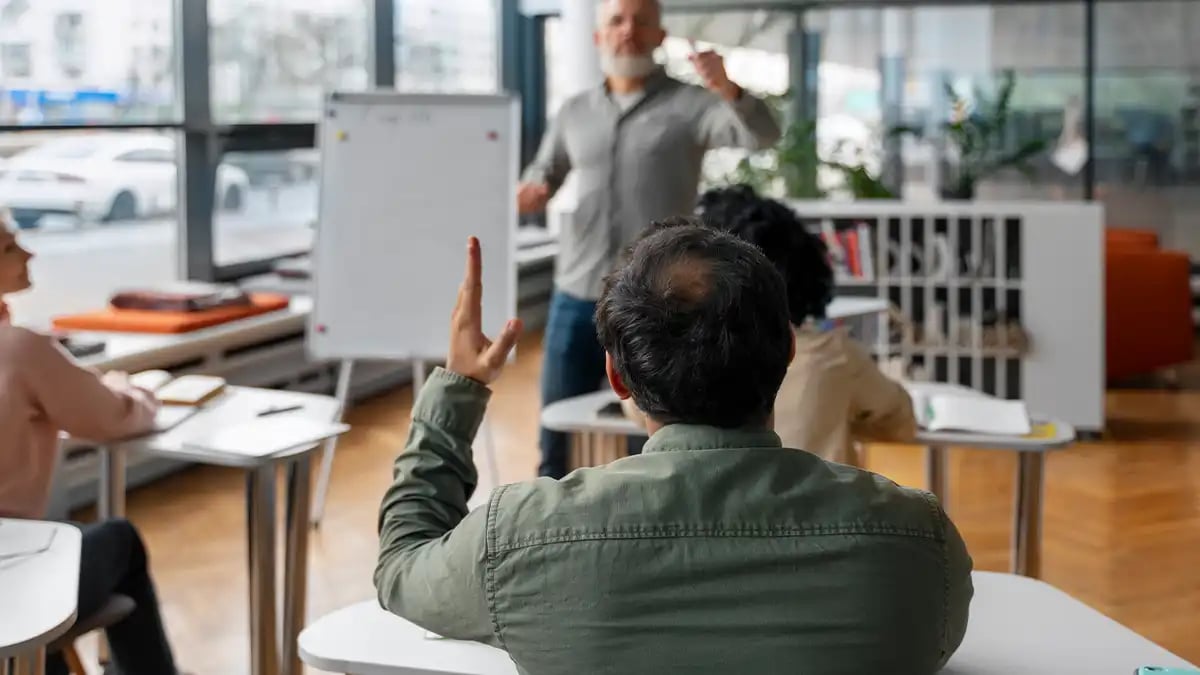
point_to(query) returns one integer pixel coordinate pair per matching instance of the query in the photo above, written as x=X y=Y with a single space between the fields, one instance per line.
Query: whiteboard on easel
x=405 y=179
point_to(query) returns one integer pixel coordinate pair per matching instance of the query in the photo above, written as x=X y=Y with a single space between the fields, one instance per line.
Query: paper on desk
x=20 y=538
x=265 y=436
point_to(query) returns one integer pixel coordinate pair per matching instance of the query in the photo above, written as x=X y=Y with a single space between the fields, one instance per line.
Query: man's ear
x=596 y=38
x=614 y=378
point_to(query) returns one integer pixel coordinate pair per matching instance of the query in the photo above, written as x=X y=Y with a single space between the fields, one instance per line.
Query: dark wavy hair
x=800 y=256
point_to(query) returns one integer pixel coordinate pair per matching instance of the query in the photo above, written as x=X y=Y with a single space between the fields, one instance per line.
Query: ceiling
x=551 y=6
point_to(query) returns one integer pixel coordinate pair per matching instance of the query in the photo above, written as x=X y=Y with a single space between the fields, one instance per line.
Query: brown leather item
x=159 y=301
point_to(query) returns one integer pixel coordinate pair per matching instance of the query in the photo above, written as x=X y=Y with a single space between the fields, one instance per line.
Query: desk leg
x=936 y=480
x=260 y=528
x=295 y=574
x=111 y=503
x=31 y=663
x=1027 y=514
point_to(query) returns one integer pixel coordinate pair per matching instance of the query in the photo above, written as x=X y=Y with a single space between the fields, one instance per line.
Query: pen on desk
x=276 y=411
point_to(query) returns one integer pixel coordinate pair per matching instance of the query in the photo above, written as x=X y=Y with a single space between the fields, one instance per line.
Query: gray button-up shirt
x=636 y=166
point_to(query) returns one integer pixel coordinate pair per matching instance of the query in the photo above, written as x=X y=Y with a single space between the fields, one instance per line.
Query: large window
x=447 y=46
x=273 y=59
x=886 y=68
x=96 y=208
x=266 y=205
x=69 y=62
x=1148 y=118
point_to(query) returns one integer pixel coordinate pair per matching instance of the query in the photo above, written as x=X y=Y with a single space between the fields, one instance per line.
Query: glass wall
x=920 y=68
x=69 y=62
x=447 y=46
x=271 y=60
x=1148 y=118
x=95 y=206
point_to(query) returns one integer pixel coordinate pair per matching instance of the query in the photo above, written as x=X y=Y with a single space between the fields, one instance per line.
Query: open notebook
x=185 y=390
x=942 y=408
x=977 y=414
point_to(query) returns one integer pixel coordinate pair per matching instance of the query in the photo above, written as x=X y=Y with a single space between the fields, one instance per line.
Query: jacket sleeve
x=959 y=590
x=432 y=553
x=76 y=399
x=745 y=123
x=881 y=409
x=552 y=163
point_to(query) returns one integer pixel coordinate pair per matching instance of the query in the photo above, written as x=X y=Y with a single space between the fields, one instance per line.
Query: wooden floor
x=1122 y=518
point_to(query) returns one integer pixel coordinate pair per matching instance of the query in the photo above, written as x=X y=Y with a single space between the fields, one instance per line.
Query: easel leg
x=345 y=370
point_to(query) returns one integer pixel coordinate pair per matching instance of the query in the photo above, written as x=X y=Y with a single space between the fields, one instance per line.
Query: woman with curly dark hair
x=833 y=394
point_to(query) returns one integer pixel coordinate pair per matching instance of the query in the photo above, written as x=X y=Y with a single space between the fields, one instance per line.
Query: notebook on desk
x=973 y=412
x=265 y=436
x=186 y=390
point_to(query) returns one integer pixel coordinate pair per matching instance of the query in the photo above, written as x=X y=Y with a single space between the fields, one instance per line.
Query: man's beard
x=627 y=65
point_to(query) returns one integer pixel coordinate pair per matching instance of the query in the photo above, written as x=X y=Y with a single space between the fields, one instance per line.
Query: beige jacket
x=832 y=396
x=43 y=391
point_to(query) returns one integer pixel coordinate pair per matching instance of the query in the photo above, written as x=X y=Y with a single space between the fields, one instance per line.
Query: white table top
x=1064 y=433
x=1018 y=626
x=37 y=592
x=581 y=415
x=236 y=405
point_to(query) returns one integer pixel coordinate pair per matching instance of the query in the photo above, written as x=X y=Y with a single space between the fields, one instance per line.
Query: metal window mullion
x=199 y=152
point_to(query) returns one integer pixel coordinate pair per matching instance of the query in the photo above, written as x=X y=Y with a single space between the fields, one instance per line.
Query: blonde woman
x=44 y=391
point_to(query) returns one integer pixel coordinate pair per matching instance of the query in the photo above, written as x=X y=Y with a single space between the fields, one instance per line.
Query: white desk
x=598 y=439
x=38 y=591
x=1018 y=626
x=1026 y=548
x=269 y=654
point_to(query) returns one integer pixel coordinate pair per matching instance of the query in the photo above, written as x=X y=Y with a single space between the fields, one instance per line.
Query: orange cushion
x=1123 y=239
x=112 y=320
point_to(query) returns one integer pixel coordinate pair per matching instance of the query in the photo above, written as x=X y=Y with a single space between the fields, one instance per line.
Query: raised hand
x=472 y=354
x=711 y=68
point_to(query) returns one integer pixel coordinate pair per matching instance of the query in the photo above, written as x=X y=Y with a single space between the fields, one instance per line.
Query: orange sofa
x=1148 y=323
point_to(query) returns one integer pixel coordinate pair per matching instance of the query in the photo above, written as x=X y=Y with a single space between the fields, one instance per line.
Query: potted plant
x=975 y=136
x=790 y=168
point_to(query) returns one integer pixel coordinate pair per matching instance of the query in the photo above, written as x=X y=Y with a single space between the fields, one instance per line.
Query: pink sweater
x=43 y=391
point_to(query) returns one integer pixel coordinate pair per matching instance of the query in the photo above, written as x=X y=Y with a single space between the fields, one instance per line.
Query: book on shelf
x=850 y=252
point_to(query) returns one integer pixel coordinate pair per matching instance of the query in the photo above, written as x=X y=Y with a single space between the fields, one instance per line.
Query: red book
x=850 y=241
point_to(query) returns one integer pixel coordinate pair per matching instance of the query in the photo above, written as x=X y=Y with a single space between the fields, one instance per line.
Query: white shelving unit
x=961 y=272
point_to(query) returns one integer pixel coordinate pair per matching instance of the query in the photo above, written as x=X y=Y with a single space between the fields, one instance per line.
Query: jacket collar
x=656 y=81
x=698 y=437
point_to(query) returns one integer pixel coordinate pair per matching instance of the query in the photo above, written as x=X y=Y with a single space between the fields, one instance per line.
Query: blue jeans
x=573 y=365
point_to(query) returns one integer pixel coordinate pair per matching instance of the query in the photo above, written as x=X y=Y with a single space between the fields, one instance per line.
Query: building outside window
x=96 y=207
x=447 y=46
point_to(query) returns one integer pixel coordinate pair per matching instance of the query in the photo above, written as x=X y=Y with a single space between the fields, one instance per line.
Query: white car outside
x=108 y=176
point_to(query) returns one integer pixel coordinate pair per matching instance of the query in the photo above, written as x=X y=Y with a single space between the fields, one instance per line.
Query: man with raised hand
x=716 y=550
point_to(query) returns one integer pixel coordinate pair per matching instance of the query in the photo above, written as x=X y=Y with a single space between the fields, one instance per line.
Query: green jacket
x=714 y=551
